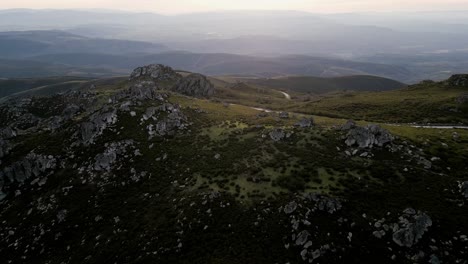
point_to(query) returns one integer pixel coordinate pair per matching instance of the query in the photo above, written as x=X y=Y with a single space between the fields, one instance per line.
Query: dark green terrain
x=158 y=169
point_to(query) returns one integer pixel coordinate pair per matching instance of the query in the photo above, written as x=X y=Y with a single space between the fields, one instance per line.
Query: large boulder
x=368 y=137
x=412 y=227
x=277 y=134
x=196 y=85
x=155 y=72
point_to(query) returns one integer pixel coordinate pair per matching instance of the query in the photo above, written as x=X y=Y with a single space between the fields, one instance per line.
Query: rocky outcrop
x=411 y=228
x=196 y=85
x=95 y=126
x=144 y=90
x=458 y=80
x=30 y=167
x=368 y=137
x=155 y=72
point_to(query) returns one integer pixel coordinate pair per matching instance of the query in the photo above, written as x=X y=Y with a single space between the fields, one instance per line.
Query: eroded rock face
x=458 y=80
x=412 y=227
x=368 y=137
x=156 y=72
x=196 y=85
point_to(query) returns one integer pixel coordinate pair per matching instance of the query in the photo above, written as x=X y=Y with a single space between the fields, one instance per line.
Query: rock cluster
x=300 y=213
x=196 y=85
x=155 y=72
x=325 y=203
x=368 y=137
x=144 y=90
x=278 y=134
x=165 y=120
x=411 y=228
x=305 y=123
x=458 y=80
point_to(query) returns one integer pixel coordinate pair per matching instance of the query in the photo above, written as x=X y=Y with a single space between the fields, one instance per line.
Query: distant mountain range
x=257 y=43
x=22 y=44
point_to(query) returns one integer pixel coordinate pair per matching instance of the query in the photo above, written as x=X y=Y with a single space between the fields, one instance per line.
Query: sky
x=186 y=6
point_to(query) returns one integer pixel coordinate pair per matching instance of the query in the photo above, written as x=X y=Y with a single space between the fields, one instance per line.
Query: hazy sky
x=183 y=6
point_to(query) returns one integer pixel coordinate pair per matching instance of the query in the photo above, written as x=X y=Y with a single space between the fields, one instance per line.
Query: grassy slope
x=426 y=102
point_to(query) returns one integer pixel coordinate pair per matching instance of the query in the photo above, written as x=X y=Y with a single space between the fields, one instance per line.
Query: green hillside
x=435 y=102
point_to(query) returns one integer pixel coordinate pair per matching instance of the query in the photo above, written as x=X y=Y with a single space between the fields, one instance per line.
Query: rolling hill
x=12 y=86
x=316 y=85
